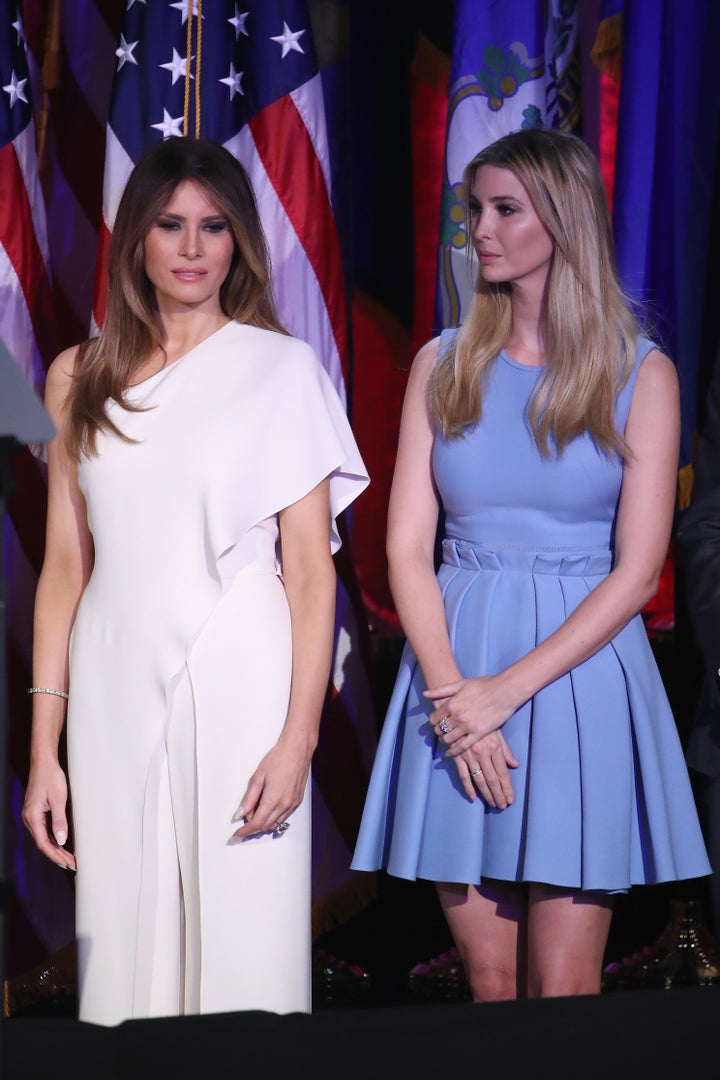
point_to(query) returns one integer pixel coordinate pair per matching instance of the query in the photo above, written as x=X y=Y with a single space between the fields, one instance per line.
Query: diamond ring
x=281 y=827
x=444 y=726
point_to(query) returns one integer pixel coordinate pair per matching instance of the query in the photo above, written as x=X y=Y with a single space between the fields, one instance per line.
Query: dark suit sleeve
x=698 y=538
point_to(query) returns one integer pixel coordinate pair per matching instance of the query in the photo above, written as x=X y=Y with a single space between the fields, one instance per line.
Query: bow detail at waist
x=470 y=555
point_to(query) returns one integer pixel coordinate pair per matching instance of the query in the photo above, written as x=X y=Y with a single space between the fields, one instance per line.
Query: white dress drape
x=179 y=680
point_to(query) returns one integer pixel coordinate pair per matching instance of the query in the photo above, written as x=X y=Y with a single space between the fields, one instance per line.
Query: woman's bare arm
x=65 y=571
x=412 y=526
x=277 y=786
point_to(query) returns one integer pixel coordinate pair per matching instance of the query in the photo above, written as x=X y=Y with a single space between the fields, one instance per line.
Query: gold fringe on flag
x=606 y=53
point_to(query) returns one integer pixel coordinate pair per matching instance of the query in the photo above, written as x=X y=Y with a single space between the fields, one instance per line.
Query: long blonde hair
x=130 y=332
x=590 y=329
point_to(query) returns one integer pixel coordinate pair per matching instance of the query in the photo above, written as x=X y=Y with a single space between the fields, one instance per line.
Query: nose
x=191 y=246
x=481 y=226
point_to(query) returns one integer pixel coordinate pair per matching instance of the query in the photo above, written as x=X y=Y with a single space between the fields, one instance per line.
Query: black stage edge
x=636 y=1033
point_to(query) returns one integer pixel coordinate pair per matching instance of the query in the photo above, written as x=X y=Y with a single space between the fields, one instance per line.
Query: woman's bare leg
x=487 y=924
x=567 y=934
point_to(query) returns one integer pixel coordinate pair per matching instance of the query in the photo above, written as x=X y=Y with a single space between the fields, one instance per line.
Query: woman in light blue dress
x=529 y=763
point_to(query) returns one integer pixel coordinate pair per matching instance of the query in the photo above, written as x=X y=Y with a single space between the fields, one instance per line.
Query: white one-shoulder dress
x=180 y=665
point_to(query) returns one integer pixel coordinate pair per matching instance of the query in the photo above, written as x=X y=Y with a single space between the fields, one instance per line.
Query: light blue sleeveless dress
x=602 y=795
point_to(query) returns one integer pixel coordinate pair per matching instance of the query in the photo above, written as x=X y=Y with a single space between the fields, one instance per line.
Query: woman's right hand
x=44 y=812
x=484 y=769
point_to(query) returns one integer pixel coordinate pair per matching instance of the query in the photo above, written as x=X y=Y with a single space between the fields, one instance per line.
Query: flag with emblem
x=514 y=65
x=247 y=77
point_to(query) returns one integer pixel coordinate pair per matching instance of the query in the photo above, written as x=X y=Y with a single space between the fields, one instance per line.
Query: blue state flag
x=514 y=65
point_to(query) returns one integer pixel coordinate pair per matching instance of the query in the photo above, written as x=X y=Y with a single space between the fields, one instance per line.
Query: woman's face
x=510 y=241
x=188 y=251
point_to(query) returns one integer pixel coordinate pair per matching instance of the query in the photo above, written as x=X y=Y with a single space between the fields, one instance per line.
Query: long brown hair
x=130 y=332
x=590 y=330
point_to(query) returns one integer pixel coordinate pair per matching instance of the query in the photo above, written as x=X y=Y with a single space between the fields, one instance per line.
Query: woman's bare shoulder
x=657 y=371
x=425 y=359
x=61 y=370
x=657 y=360
x=58 y=381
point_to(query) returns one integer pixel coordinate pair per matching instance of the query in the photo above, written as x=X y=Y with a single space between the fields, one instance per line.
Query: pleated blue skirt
x=602 y=795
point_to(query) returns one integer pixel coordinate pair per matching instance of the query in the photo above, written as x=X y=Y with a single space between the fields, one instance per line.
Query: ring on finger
x=443 y=725
x=476 y=772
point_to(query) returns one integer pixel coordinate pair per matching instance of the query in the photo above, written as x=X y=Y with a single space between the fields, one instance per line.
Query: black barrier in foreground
x=633 y=1034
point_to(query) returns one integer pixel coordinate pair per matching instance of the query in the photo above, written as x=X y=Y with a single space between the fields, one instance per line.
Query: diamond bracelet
x=47 y=690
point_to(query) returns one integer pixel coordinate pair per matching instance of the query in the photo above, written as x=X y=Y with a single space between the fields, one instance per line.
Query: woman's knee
x=492 y=983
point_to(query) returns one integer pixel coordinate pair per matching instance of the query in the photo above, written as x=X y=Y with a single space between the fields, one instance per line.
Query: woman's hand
x=484 y=769
x=276 y=788
x=278 y=785
x=46 y=798
x=470 y=709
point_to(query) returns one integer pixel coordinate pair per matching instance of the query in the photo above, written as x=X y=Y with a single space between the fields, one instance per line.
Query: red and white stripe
x=25 y=303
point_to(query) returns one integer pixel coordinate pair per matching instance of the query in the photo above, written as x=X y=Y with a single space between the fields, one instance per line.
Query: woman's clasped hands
x=467 y=716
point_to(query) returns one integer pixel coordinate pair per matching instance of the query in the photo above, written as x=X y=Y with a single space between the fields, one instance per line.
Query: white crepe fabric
x=180 y=666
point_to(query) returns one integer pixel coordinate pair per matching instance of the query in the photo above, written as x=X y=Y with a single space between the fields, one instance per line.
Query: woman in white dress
x=185 y=609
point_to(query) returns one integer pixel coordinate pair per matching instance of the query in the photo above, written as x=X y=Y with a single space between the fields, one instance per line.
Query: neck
x=526 y=341
x=182 y=331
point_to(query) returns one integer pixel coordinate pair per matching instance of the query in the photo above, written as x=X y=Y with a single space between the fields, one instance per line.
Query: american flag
x=24 y=258
x=247 y=77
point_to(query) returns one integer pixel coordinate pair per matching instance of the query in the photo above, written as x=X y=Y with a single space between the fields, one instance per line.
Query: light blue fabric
x=602 y=795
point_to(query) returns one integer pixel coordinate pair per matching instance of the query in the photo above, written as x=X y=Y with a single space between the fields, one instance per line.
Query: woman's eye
x=506 y=210
x=216 y=226
x=168 y=226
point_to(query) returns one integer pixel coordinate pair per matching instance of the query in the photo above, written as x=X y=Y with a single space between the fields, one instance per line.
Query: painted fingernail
x=61 y=837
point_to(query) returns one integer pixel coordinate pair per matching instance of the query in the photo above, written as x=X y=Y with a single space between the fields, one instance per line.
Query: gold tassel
x=198 y=68
x=188 y=53
x=606 y=53
x=194 y=17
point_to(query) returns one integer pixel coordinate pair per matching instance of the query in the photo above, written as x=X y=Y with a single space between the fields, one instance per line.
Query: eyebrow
x=181 y=217
x=499 y=198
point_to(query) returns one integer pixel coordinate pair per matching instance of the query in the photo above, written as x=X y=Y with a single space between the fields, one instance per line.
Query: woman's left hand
x=485 y=769
x=469 y=709
x=275 y=789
